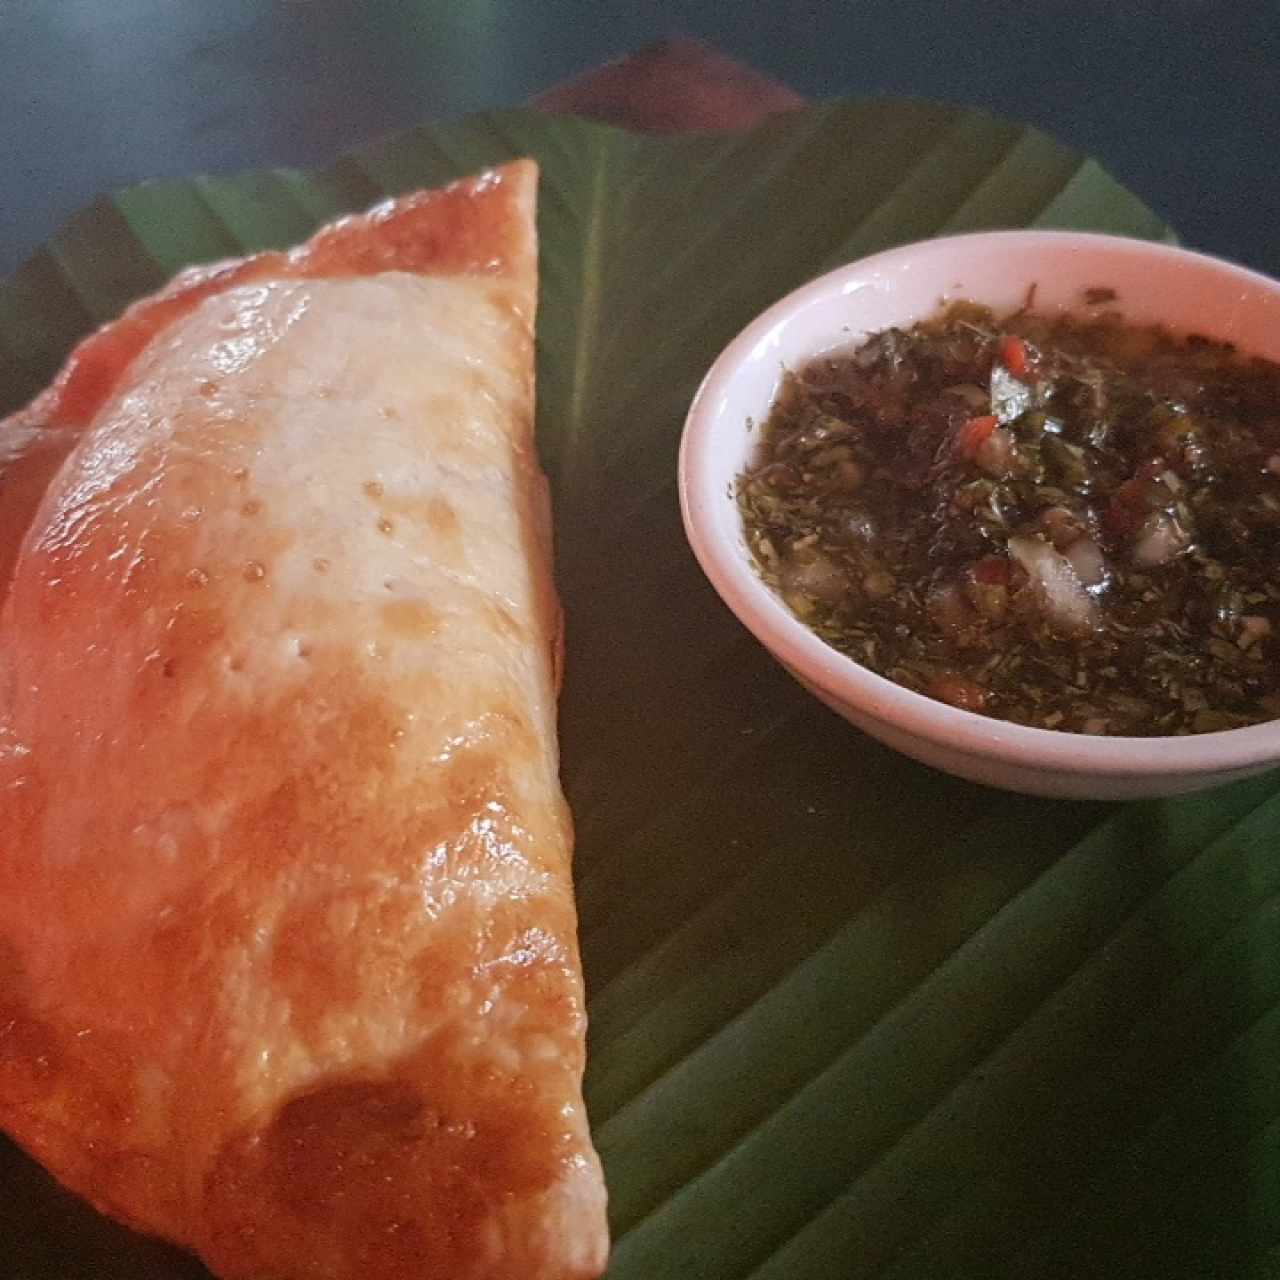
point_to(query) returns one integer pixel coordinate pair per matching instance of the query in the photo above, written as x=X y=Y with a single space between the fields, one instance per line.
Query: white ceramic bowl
x=1154 y=283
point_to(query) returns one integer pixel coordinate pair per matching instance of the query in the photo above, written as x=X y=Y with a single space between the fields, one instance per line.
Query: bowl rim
x=850 y=683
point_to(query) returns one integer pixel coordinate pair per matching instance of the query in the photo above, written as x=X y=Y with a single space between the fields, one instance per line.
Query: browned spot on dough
x=313 y=942
x=373 y=488
x=251 y=508
x=327 y=921
x=397 y=1177
x=442 y=519
x=432 y=515
x=410 y=617
x=385 y=525
x=475 y=776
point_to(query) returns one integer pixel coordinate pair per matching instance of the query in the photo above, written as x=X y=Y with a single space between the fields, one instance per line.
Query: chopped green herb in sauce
x=1065 y=522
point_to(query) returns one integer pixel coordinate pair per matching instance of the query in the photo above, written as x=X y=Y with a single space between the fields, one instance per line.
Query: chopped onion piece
x=816 y=575
x=1010 y=398
x=1088 y=562
x=1066 y=602
x=1159 y=540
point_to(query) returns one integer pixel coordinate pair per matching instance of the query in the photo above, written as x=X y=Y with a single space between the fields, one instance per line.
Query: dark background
x=1180 y=100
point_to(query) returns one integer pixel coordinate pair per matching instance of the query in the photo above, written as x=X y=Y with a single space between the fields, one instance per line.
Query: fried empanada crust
x=288 y=958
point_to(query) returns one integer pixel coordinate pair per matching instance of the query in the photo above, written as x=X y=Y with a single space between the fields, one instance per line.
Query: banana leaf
x=850 y=1017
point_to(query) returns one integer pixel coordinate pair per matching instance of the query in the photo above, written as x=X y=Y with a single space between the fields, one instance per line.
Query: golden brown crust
x=288 y=966
x=480 y=225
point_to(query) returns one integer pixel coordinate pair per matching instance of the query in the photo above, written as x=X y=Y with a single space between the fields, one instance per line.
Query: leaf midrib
x=592 y=290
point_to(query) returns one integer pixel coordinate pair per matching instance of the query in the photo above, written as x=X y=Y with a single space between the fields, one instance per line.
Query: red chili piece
x=1013 y=355
x=974 y=432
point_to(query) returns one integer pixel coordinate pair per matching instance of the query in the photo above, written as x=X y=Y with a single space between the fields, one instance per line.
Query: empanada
x=288 y=961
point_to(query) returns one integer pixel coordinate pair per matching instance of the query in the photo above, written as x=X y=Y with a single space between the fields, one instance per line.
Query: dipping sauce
x=1064 y=521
